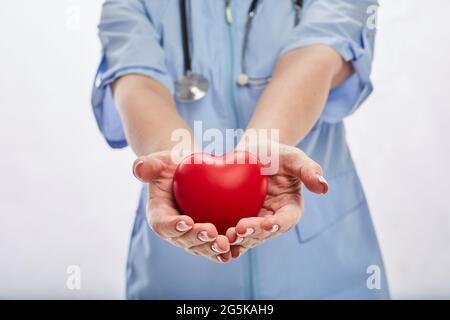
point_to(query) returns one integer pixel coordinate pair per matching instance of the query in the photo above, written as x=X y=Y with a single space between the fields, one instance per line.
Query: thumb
x=298 y=164
x=147 y=168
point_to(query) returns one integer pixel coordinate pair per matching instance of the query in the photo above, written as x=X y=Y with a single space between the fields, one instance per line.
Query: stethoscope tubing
x=185 y=38
x=191 y=86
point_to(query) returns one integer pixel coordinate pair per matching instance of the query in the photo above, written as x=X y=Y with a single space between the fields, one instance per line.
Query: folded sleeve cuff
x=131 y=44
x=105 y=111
x=354 y=42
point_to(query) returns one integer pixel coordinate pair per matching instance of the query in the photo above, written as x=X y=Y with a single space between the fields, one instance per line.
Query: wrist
x=181 y=144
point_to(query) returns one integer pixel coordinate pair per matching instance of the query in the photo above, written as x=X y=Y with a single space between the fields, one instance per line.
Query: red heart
x=220 y=190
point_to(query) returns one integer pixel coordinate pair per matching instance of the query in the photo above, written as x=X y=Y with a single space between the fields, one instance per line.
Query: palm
x=160 y=188
x=284 y=192
x=157 y=169
x=283 y=205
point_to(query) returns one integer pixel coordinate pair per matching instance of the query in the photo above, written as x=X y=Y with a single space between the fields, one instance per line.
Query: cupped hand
x=157 y=169
x=283 y=206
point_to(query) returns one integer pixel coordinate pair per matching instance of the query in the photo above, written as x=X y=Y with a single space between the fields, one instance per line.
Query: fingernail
x=203 y=236
x=216 y=249
x=275 y=228
x=248 y=231
x=323 y=182
x=182 y=226
x=220 y=259
x=237 y=241
x=136 y=166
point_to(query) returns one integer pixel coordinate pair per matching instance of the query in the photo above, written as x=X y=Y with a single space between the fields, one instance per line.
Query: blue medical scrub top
x=333 y=252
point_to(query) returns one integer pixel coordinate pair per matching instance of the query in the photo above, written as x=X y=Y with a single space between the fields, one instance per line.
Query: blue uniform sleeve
x=130 y=44
x=347 y=26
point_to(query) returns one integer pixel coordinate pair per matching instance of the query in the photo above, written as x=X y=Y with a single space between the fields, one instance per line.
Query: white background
x=67 y=199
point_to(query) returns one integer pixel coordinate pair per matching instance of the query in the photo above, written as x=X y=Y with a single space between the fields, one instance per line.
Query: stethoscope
x=193 y=86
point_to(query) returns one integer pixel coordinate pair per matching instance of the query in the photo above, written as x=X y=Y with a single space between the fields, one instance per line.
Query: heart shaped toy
x=220 y=189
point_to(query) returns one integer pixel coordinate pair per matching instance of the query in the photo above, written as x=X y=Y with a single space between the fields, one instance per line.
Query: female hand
x=201 y=239
x=283 y=206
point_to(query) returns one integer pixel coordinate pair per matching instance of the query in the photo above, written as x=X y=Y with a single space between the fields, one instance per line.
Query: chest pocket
x=345 y=196
x=327 y=145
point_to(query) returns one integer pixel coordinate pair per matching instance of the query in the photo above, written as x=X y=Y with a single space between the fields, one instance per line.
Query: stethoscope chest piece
x=191 y=87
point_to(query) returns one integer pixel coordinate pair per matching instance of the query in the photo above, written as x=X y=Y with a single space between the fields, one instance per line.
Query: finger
x=216 y=259
x=253 y=242
x=283 y=220
x=264 y=212
x=149 y=167
x=255 y=238
x=232 y=236
x=219 y=246
x=224 y=257
x=168 y=225
x=200 y=233
x=249 y=227
x=298 y=164
x=236 y=249
x=219 y=258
